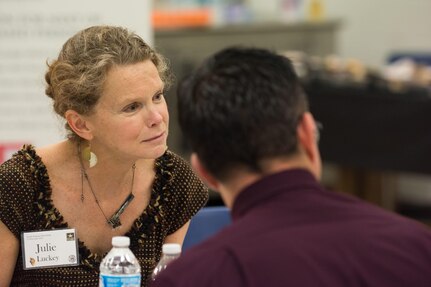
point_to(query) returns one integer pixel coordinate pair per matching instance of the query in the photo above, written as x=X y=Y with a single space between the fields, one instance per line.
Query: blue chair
x=205 y=223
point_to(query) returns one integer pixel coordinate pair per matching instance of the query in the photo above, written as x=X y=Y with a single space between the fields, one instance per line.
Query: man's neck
x=241 y=178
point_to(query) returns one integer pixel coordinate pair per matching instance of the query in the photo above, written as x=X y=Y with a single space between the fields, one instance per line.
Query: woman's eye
x=132 y=107
x=158 y=97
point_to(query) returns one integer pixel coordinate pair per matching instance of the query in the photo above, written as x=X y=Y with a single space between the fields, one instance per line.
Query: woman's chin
x=156 y=152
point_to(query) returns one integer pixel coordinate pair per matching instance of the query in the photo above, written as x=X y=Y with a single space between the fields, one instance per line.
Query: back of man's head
x=241 y=106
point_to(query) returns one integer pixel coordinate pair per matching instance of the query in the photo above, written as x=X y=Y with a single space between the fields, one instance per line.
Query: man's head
x=242 y=108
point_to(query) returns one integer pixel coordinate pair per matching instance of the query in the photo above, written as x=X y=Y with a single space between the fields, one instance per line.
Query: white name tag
x=51 y=248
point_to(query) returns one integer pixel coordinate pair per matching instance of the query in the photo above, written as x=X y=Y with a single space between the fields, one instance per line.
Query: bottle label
x=133 y=280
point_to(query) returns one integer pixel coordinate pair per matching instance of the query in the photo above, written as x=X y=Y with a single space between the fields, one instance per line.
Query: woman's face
x=131 y=118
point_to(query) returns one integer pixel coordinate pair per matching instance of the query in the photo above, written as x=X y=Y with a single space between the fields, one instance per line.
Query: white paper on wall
x=31 y=33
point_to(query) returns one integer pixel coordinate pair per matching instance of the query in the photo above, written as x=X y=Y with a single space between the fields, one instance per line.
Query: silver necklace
x=114 y=220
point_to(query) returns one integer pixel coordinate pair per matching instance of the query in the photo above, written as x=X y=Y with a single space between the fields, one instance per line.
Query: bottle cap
x=171 y=248
x=121 y=241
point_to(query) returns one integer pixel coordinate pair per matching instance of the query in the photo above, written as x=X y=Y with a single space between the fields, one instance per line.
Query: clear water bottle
x=170 y=252
x=120 y=267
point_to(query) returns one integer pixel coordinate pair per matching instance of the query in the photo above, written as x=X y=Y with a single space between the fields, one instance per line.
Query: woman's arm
x=9 y=249
x=179 y=235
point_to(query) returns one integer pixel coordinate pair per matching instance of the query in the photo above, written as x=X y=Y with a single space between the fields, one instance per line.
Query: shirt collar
x=269 y=186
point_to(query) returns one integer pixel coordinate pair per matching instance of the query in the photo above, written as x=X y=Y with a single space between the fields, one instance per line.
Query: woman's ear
x=78 y=124
x=202 y=172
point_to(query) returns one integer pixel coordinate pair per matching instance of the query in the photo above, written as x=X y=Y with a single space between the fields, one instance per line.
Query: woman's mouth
x=159 y=136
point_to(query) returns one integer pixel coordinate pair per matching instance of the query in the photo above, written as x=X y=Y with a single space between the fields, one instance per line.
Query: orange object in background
x=181 y=18
x=316 y=10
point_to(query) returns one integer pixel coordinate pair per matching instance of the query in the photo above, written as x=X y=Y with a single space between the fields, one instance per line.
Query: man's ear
x=202 y=172
x=307 y=135
x=78 y=124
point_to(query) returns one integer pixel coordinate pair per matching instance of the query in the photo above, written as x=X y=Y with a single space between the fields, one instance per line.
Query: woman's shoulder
x=21 y=179
x=185 y=192
x=24 y=168
x=180 y=167
x=177 y=159
x=173 y=162
x=21 y=161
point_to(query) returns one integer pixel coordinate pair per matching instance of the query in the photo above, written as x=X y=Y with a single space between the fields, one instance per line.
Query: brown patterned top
x=26 y=205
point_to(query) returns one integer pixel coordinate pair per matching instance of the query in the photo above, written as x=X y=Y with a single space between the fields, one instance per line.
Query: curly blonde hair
x=74 y=81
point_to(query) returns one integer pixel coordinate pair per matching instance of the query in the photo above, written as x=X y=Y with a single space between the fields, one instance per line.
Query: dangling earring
x=90 y=156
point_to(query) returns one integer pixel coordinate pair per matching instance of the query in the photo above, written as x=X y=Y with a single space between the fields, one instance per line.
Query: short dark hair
x=241 y=106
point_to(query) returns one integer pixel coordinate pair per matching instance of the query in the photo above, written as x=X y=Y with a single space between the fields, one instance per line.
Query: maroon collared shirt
x=288 y=231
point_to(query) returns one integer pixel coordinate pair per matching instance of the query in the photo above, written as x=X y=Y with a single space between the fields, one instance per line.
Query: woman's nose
x=154 y=117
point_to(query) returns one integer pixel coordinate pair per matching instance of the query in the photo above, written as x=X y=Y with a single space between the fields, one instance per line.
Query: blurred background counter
x=374 y=129
x=187 y=47
x=371 y=135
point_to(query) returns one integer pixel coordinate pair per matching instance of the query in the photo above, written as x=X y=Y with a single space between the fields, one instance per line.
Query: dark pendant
x=114 y=221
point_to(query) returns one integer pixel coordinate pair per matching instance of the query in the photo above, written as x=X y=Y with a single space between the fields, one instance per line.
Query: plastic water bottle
x=120 y=267
x=170 y=252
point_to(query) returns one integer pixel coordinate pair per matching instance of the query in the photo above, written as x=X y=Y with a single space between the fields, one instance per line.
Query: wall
x=373 y=29
x=32 y=32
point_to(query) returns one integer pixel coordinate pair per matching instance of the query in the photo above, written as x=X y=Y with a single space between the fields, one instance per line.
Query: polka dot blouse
x=26 y=205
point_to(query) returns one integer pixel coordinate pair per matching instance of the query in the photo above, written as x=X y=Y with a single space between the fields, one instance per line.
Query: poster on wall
x=32 y=33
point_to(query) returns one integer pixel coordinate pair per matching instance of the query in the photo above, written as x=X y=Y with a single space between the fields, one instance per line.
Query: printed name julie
x=45 y=248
